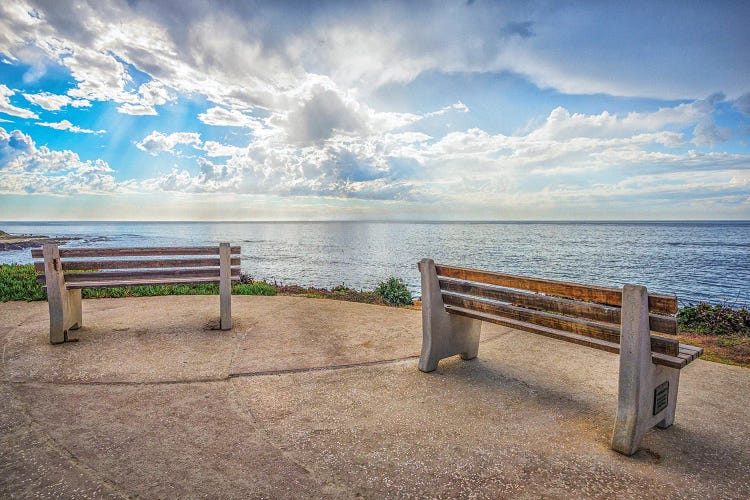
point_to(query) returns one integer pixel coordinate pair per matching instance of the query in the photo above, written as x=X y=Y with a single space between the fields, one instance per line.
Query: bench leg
x=647 y=394
x=225 y=287
x=76 y=314
x=443 y=334
x=64 y=307
x=57 y=330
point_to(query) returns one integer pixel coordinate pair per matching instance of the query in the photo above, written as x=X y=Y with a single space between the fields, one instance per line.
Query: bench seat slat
x=691 y=351
x=144 y=282
x=658 y=303
x=85 y=265
x=608 y=332
x=603 y=345
x=115 y=276
x=136 y=251
x=588 y=310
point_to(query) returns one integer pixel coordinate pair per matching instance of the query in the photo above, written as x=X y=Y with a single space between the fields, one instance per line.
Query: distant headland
x=22 y=241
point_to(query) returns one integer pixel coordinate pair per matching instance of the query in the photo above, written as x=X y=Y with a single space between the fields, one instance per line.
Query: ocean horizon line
x=385 y=221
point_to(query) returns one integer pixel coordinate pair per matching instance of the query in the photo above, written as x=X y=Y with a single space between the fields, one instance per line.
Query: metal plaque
x=661 y=397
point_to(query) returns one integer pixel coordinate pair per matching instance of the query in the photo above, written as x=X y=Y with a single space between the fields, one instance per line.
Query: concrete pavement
x=310 y=398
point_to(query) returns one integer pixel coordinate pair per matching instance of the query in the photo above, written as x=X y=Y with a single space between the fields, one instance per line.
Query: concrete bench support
x=443 y=334
x=640 y=377
x=65 y=313
x=225 y=287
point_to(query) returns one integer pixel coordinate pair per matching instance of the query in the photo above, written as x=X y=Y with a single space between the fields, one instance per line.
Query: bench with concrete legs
x=65 y=271
x=456 y=300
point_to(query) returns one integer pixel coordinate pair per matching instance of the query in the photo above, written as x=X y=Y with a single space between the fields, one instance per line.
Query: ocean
x=697 y=261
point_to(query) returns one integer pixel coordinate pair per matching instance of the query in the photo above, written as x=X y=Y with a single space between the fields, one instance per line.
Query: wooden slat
x=690 y=352
x=115 y=276
x=84 y=265
x=144 y=282
x=588 y=310
x=136 y=251
x=656 y=357
x=578 y=326
x=658 y=303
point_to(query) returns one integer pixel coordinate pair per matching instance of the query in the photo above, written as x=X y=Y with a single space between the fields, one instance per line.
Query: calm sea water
x=694 y=260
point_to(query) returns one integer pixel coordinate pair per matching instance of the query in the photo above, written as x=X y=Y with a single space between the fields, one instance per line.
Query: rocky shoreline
x=23 y=241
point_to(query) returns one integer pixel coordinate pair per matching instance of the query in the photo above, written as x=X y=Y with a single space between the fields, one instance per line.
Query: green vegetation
x=722 y=331
x=721 y=320
x=340 y=292
x=394 y=292
x=18 y=282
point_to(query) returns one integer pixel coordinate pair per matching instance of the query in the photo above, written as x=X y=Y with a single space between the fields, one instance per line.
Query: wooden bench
x=114 y=267
x=456 y=300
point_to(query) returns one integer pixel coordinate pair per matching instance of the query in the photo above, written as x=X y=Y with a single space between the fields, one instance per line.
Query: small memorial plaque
x=661 y=397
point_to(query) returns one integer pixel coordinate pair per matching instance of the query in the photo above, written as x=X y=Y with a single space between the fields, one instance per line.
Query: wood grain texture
x=115 y=276
x=658 y=358
x=658 y=303
x=583 y=327
x=137 y=251
x=85 y=265
x=575 y=308
x=144 y=282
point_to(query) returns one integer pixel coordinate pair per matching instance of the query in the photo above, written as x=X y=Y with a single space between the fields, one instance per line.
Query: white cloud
x=66 y=125
x=566 y=152
x=299 y=88
x=150 y=94
x=156 y=142
x=214 y=149
x=457 y=106
x=9 y=109
x=54 y=102
x=27 y=168
x=236 y=53
x=222 y=117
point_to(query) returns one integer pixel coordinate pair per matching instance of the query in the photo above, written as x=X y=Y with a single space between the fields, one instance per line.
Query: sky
x=448 y=110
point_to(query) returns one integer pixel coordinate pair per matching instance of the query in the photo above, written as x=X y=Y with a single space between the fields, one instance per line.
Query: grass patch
x=18 y=282
x=340 y=292
x=727 y=349
x=722 y=331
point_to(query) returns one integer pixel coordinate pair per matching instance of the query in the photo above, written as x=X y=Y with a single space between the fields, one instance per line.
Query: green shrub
x=18 y=282
x=394 y=292
x=717 y=319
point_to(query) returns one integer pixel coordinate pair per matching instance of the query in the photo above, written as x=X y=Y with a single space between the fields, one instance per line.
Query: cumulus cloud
x=66 y=125
x=222 y=117
x=156 y=142
x=54 y=102
x=243 y=53
x=567 y=149
x=149 y=95
x=8 y=108
x=300 y=88
x=27 y=168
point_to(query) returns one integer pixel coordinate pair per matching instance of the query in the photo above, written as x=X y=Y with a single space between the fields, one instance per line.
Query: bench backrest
x=111 y=267
x=583 y=314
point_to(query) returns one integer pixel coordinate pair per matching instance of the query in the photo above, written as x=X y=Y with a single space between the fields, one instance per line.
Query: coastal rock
x=23 y=241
